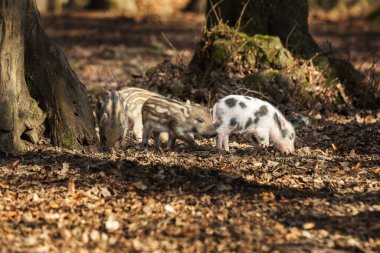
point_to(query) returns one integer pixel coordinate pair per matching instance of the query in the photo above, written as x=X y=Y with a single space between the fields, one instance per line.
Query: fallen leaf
x=169 y=209
x=105 y=192
x=112 y=225
x=140 y=185
x=54 y=205
x=71 y=185
x=308 y=225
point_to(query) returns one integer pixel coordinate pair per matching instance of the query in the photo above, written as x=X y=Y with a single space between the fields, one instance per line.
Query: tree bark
x=32 y=65
x=128 y=6
x=196 y=6
x=78 y=4
x=53 y=82
x=19 y=113
x=286 y=19
x=55 y=6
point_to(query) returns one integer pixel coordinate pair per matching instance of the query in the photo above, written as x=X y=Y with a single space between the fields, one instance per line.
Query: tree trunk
x=31 y=62
x=286 y=19
x=43 y=5
x=196 y=6
x=128 y=6
x=52 y=81
x=19 y=113
x=55 y=6
x=78 y=4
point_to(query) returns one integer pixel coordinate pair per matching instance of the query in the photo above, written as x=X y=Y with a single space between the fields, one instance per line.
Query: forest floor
x=323 y=198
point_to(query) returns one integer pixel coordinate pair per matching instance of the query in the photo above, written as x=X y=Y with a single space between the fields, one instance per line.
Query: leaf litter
x=324 y=198
x=255 y=199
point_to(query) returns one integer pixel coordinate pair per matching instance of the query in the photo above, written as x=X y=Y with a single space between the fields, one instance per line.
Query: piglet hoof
x=198 y=148
x=167 y=149
x=224 y=152
x=161 y=150
x=142 y=146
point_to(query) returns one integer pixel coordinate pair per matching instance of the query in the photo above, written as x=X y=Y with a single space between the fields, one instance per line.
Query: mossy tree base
x=19 y=113
x=266 y=34
x=259 y=64
x=70 y=120
x=37 y=85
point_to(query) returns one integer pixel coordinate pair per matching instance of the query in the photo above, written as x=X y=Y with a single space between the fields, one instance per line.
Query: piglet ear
x=188 y=109
x=187 y=112
x=99 y=108
x=279 y=121
x=104 y=119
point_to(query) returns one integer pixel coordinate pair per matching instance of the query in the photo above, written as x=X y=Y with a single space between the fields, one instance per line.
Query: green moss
x=272 y=73
x=92 y=91
x=220 y=52
x=375 y=16
x=67 y=140
x=151 y=71
x=329 y=71
x=274 y=50
x=133 y=83
x=261 y=51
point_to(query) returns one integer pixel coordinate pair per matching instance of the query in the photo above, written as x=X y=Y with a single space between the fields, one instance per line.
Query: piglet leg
x=138 y=129
x=190 y=140
x=262 y=136
x=147 y=128
x=219 y=143
x=156 y=138
x=171 y=141
x=225 y=140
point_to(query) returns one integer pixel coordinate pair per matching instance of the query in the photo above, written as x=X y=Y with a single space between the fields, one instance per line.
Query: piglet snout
x=285 y=149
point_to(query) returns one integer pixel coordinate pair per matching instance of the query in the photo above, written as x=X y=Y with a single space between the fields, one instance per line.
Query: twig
x=345 y=98
x=179 y=58
x=246 y=90
x=289 y=34
x=212 y=9
x=118 y=82
x=241 y=15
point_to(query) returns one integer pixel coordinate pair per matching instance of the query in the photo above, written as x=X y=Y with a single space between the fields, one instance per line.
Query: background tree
x=36 y=81
x=78 y=4
x=52 y=6
x=197 y=6
x=128 y=6
x=287 y=20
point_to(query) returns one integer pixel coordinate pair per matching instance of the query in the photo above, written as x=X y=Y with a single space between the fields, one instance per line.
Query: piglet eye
x=291 y=136
x=200 y=120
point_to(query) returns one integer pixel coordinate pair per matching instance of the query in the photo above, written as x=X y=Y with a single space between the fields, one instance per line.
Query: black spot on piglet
x=231 y=102
x=233 y=122
x=284 y=132
x=242 y=105
x=277 y=120
x=217 y=124
x=248 y=123
x=262 y=111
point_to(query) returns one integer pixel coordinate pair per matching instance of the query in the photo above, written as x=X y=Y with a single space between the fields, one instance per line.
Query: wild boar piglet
x=243 y=114
x=111 y=113
x=134 y=99
x=180 y=120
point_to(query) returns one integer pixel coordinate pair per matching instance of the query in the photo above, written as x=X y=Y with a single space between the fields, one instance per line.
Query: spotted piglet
x=243 y=114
